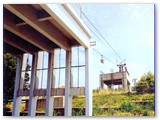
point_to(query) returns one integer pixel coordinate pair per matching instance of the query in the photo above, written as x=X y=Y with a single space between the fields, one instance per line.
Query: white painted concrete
x=66 y=18
x=49 y=98
x=88 y=90
x=32 y=99
x=68 y=22
x=68 y=97
x=16 y=99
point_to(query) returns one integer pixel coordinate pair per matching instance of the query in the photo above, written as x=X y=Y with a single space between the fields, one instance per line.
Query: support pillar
x=49 y=98
x=101 y=82
x=33 y=99
x=125 y=86
x=68 y=97
x=88 y=90
x=16 y=99
x=109 y=87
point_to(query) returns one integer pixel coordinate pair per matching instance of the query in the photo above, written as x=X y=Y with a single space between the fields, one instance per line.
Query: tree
x=26 y=85
x=145 y=84
x=9 y=76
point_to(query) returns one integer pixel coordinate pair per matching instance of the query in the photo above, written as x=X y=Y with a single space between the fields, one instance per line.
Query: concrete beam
x=29 y=15
x=42 y=15
x=12 y=50
x=19 y=43
x=20 y=22
x=53 y=92
x=63 y=15
x=25 y=33
x=77 y=91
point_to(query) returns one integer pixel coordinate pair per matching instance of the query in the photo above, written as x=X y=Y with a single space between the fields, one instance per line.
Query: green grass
x=126 y=104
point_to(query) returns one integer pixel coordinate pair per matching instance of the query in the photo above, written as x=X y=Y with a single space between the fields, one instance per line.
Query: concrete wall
x=115 y=76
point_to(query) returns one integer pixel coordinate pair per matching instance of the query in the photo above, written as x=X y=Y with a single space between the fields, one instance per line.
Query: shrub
x=149 y=105
x=146 y=113
x=77 y=113
x=127 y=106
x=111 y=112
x=133 y=108
x=145 y=84
x=97 y=111
x=56 y=113
x=137 y=109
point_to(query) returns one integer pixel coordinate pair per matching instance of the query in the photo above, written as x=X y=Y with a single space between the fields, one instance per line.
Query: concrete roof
x=29 y=28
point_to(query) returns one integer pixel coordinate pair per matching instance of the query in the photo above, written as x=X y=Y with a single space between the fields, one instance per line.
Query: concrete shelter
x=116 y=78
x=31 y=28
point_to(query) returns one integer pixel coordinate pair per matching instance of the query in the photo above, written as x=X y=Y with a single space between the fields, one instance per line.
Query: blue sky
x=129 y=28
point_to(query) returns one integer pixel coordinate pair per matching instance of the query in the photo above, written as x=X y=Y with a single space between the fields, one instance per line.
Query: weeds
x=149 y=105
x=56 y=113
x=127 y=106
x=78 y=112
x=97 y=111
x=40 y=110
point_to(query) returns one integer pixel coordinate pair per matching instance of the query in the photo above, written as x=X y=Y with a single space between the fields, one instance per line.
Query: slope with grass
x=107 y=103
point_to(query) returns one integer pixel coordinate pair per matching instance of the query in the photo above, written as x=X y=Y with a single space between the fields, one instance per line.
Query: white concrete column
x=33 y=99
x=68 y=97
x=49 y=98
x=16 y=99
x=88 y=89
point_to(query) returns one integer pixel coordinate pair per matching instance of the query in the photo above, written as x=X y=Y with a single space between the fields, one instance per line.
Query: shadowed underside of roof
x=31 y=28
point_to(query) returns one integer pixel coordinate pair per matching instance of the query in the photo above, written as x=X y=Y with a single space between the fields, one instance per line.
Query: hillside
x=107 y=103
x=118 y=103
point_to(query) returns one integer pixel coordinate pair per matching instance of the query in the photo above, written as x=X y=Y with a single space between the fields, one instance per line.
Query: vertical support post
x=128 y=87
x=68 y=97
x=88 y=90
x=16 y=99
x=101 y=83
x=123 y=82
x=49 y=98
x=125 y=87
x=112 y=85
x=109 y=87
x=33 y=99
